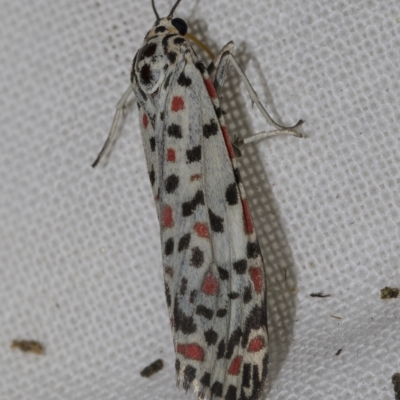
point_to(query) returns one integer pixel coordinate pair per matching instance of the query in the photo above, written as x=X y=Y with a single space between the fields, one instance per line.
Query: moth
x=214 y=276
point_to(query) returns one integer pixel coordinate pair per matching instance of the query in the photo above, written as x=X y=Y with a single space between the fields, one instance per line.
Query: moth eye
x=180 y=25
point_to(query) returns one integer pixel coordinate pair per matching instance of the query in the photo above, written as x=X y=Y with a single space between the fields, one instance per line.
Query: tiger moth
x=214 y=275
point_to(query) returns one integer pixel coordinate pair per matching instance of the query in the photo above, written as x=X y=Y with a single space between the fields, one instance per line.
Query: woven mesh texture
x=80 y=259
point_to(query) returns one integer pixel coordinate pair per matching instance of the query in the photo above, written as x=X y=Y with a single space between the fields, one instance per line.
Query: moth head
x=168 y=24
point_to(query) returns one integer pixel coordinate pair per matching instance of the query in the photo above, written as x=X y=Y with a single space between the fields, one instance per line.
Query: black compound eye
x=180 y=25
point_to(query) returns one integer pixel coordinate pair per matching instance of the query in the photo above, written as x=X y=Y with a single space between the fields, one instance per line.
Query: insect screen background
x=80 y=258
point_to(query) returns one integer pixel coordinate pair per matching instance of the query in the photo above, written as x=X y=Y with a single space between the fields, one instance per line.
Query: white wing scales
x=214 y=276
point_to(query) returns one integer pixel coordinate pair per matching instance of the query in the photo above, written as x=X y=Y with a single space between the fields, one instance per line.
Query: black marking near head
x=180 y=25
x=171 y=55
x=146 y=76
x=161 y=29
x=147 y=51
x=179 y=40
x=184 y=80
x=200 y=66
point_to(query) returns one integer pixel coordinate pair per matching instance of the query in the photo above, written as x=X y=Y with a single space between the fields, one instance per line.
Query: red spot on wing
x=256 y=344
x=234 y=368
x=145 y=121
x=195 y=177
x=210 y=285
x=171 y=156
x=257 y=278
x=247 y=217
x=177 y=103
x=201 y=230
x=210 y=88
x=227 y=142
x=167 y=217
x=191 y=351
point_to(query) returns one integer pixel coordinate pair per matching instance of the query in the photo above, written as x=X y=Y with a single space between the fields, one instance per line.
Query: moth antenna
x=171 y=13
x=155 y=10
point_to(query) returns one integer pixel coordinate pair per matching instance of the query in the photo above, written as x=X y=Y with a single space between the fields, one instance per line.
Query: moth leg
x=111 y=136
x=219 y=65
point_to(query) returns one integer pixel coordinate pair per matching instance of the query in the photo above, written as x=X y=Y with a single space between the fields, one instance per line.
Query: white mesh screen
x=80 y=261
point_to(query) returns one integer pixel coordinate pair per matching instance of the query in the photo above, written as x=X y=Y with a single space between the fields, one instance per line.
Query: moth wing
x=213 y=268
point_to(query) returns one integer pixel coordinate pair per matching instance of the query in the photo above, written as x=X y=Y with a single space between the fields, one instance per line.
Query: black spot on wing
x=188 y=207
x=238 y=178
x=221 y=349
x=183 y=322
x=184 y=242
x=246 y=375
x=218 y=111
x=256 y=319
x=233 y=295
x=221 y=312
x=200 y=66
x=216 y=389
x=234 y=341
x=216 y=222
x=167 y=80
x=253 y=249
x=168 y=295
x=146 y=75
x=171 y=55
x=175 y=131
x=223 y=274
x=210 y=129
x=247 y=295
x=169 y=246
x=205 y=380
x=152 y=141
x=194 y=154
x=204 y=311
x=240 y=266
x=183 y=287
x=193 y=295
x=231 y=194
x=171 y=183
x=189 y=374
x=152 y=176
x=148 y=50
x=211 y=337
x=231 y=393
x=197 y=258
x=184 y=80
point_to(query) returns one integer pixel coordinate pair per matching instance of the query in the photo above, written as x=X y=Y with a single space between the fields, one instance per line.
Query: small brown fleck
x=153 y=368
x=389 y=293
x=319 y=294
x=28 y=346
x=338 y=352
